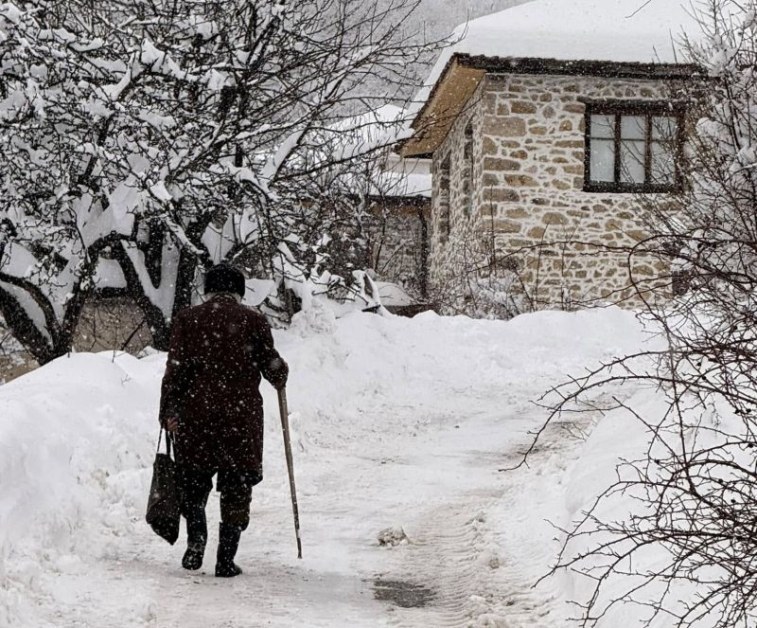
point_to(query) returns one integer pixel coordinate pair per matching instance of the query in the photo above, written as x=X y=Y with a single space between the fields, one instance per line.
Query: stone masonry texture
x=529 y=210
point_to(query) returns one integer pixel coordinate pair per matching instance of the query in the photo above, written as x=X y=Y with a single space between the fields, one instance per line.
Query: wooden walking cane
x=290 y=465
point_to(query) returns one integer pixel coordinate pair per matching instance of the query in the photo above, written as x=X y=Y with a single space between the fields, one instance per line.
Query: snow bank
x=619 y=440
x=354 y=359
x=75 y=439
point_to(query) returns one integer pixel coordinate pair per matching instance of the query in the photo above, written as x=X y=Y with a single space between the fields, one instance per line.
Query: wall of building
x=531 y=216
x=396 y=230
x=113 y=323
x=459 y=253
x=106 y=324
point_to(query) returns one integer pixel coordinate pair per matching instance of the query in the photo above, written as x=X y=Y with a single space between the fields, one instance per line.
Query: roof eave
x=561 y=67
x=457 y=83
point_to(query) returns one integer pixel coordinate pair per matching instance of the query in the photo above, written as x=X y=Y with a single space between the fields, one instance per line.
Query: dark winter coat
x=217 y=354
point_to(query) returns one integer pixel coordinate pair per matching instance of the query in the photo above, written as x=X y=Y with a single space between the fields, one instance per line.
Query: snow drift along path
x=397 y=423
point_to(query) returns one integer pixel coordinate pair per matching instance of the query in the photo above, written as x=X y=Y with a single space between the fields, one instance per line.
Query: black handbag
x=163 y=512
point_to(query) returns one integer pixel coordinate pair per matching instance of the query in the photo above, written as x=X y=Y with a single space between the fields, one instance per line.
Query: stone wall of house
x=457 y=249
x=14 y=361
x=114 y=323
x=530 y=213
x=395 y=232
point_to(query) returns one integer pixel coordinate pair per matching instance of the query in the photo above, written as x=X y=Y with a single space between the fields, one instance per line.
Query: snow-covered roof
x=624 y=31
x=404 y=178
x=382 y=128
x=565 y=32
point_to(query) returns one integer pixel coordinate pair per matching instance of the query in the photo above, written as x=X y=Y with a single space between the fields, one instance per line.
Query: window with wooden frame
x=444 y=200
x=468 y=169
x=633 y=147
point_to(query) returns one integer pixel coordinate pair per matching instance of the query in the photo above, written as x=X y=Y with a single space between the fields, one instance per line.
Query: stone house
x=547 y=132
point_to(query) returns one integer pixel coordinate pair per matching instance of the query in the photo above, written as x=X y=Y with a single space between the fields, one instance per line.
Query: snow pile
x=397 y=424
x=74 y=445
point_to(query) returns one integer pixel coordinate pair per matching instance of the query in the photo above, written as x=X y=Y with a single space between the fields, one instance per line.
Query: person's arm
x=272 y=366
x=174 y=379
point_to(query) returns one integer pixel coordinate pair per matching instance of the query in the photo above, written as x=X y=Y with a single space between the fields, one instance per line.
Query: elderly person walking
x=211 y=403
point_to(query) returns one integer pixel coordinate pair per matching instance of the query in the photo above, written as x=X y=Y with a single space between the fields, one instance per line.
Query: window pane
x=632 y=161
x=633 y=127
x=663 y=163
x=664 y=128
x=602 y=126
x=602 y=167
x=468 y=143
x=444 y=200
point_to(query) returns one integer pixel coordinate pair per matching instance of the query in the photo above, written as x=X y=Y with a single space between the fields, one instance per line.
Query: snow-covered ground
x=398 y=423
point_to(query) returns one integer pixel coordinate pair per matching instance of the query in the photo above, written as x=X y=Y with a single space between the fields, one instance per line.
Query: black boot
x=197 y=537
x=228 y=542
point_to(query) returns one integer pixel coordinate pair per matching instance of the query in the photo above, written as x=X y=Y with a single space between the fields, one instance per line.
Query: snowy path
x=475 y=533
x=404 y=438
x=471 y=531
